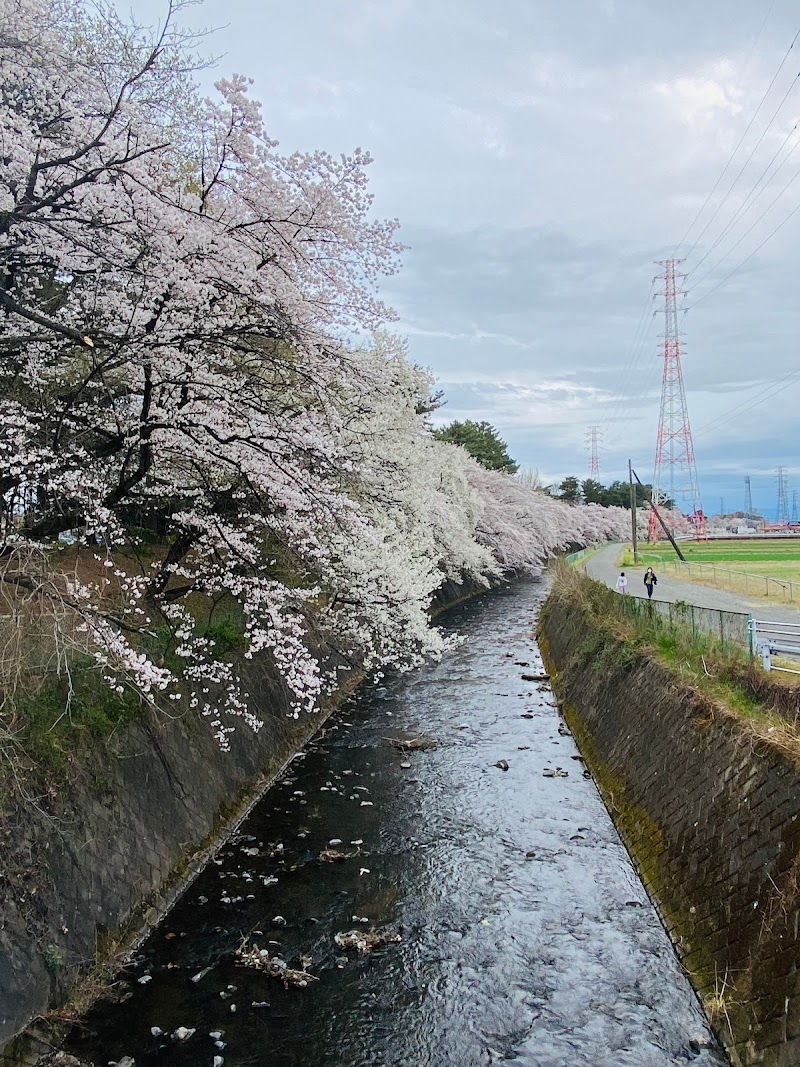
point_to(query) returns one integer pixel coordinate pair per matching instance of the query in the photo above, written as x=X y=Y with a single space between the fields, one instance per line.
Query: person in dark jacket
x=650 y=581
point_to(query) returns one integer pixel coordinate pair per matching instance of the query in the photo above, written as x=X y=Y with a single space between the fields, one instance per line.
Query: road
x=603 y=566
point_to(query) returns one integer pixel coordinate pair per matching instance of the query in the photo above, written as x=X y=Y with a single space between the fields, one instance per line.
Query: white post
x=765 y=656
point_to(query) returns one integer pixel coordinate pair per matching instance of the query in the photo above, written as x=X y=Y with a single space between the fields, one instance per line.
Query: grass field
x=736 y=565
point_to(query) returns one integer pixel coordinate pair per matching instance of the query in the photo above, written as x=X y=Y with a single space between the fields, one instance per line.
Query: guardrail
x=767 y=638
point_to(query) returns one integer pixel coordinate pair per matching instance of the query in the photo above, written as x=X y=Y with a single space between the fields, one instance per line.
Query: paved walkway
x=603 y=566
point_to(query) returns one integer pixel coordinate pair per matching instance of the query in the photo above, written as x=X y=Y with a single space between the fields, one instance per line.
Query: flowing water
x=526 y=935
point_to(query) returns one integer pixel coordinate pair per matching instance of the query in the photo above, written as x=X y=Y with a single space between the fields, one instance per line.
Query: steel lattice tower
x=675 y=473
x=748 y=496
x=783 y=500
x=795 y=515
x=594 y=457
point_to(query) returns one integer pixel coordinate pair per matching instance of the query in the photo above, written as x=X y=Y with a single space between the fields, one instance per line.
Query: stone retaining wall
x=93 y=864
x=711 y=817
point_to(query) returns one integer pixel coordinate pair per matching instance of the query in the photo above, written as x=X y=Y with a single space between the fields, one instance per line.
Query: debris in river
x=421 y=743
x=260 y=959
x=279 y=921
x=548 y=772
x=405 y=766
x=334 y=841
x=183 y=1033
x=201 y=974
x=535 y=677
x=145 y=979
x=502 y=764
x=521 y=663
x=365 y=940
x=61 y=1059
x=334 y=855
x=156 y=1031
x=564 y=730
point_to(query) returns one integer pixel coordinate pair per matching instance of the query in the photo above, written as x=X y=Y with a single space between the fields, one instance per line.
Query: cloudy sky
x=540 y=156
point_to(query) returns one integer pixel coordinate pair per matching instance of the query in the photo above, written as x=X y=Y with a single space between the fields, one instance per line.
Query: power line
x=747 y=258
x=640 y=336
x=741 y=210
x=763 y=394
x=746 y=163
x=738 y=146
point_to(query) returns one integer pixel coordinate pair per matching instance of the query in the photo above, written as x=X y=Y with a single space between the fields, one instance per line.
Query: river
x=526 y=935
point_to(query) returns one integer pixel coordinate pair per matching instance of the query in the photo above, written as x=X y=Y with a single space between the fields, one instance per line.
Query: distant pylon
x=594 y=456
x=748 y=496
x=675 y=473
x=782 y=514
x=795 y=518
x=722 y=505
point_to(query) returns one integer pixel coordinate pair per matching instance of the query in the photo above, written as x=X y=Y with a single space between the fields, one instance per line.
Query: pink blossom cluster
x=192 y=385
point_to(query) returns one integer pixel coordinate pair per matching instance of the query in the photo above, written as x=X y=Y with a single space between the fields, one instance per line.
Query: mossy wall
x=711 y=817
x=94 y=857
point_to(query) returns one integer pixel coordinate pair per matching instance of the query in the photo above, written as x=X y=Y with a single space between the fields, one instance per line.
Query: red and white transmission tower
x=594 y=456
x=675 y=474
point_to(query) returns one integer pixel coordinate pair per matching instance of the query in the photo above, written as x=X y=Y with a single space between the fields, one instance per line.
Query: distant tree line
x=590 y=491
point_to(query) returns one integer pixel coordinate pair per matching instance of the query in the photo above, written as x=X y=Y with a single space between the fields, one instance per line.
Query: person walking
x=650 y=581
x=622 y=583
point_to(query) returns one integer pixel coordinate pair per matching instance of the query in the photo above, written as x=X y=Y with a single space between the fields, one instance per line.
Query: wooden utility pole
x=633 y=515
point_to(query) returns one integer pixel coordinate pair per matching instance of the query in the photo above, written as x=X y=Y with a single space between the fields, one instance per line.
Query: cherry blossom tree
x=186 y=390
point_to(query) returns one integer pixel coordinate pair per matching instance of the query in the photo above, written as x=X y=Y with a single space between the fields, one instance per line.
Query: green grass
x=726 y=552
x=725 y=564
x=51 y=731
x=624 y=631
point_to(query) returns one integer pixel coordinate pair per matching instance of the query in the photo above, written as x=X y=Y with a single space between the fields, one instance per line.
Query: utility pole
x=675 y=474
x=633 y=515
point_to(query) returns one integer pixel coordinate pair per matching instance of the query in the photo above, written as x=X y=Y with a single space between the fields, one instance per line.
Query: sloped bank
x=90 y=864
x=710 y=814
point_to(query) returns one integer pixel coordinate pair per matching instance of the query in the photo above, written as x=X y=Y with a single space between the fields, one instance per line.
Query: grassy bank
x=623 y=631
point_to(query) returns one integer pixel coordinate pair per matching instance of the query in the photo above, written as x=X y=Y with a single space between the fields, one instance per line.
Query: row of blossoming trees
x=183 y=392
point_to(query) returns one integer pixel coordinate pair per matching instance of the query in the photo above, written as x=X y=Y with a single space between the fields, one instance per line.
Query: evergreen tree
x=482 y=442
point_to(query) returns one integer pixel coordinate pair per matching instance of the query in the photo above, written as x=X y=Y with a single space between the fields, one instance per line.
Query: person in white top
x=622 y=583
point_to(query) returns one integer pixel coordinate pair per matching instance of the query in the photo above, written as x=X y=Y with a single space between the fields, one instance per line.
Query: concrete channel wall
x=711 y=817
x=88 y=868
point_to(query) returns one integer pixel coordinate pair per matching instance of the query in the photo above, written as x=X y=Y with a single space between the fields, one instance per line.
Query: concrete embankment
x=710 y=812
x=93 y=861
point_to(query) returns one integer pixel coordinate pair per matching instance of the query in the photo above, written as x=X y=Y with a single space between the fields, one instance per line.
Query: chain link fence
x=727 y=627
